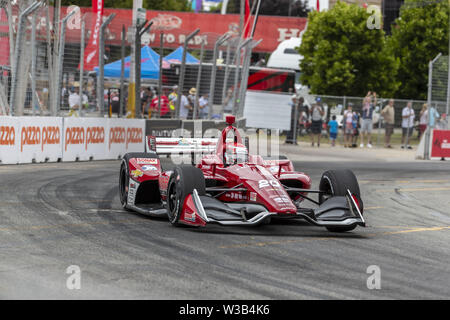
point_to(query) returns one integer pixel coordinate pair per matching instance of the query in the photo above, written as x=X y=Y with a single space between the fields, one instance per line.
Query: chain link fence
x=439 y=86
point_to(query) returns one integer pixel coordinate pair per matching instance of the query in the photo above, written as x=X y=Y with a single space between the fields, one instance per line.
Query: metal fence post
x=33 y=64
x=17 y=54
x=448 y=84
x=161 y=53
x=140 y=30
x=236 y=72
x=426 y=155
x=219 y=41
x=101 y=64
x=227 y=70
x=199 y=76
x=61 y=61
x=182 y=71
x=245 y=72
x=83 y=30
x=122 y=73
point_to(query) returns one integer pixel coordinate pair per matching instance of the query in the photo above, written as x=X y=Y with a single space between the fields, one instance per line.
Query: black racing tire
x=124 y=176
x=182 y=182
x=336 y=183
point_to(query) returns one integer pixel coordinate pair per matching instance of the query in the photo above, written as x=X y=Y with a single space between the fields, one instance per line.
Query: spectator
x=303 y=115
x=388 y=114
x=316 y=123
x=434 y=116
x=192 y=101
x=164 y=106
x=348 y=126
x=172 y=98
x=408 y=116
x=356 y=126
x=115 y=102
x=228 y=101
x=333 y=127
x=423 y=120
x=146 y=97
x=185 y=107
x=203 y=105
x=74 y=100
x=367 y=113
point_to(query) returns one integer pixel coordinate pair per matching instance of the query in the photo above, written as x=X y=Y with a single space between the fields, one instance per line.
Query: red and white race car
x=230 y=187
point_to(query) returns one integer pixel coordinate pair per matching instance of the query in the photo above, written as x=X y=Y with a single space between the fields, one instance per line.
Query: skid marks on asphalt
x=368 y=236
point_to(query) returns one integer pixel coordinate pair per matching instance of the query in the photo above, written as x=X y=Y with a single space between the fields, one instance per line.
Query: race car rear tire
x=182 y=182
x=124 y=176
x=336 y=183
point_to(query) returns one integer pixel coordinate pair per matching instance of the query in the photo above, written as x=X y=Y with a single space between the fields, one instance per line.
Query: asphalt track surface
x=53 y=216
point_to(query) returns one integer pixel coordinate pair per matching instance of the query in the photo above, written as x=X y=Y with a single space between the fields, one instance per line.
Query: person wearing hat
x=191 y=98
x=74 y=100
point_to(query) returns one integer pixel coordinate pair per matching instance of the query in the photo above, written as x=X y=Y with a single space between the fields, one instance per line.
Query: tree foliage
x=419 y=35
x=342 y=56
x=169 y=5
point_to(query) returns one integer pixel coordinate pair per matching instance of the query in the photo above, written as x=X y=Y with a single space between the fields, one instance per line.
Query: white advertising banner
x=49 y=139
x=85 y=139
x=267 y=110
x=125 y=135
x=9 y=140
x=40 y=139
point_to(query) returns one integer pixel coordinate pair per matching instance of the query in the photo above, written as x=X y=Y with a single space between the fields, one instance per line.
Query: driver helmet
x=236 y=153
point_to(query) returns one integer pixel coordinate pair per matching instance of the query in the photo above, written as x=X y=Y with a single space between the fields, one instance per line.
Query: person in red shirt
x=164 y=111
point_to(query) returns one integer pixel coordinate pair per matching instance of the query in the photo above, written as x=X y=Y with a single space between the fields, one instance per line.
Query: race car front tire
x=336 y=183
x=182 y=182
x=124 y=176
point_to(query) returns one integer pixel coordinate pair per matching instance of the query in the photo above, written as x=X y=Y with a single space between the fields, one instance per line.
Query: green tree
x=419 y=34
x=342 y=56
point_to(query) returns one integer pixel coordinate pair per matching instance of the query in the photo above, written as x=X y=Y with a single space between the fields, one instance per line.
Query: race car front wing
x=337 y=211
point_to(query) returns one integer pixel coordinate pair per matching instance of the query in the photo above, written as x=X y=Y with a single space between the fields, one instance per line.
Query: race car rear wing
x=167 y=146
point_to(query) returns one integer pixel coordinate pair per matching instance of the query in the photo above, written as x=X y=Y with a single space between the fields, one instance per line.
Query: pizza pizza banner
x=52 y=139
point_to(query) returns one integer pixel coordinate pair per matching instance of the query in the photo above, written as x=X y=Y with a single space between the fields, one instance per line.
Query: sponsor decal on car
x=147 y=161
x=275 y=169
x=190 y=216
x=132 y=192
x=149 y=168
x=252 y=196
x=235 y=195
x=137 y=173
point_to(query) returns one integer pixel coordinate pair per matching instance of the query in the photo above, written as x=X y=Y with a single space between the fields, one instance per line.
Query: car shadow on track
x=277 y=228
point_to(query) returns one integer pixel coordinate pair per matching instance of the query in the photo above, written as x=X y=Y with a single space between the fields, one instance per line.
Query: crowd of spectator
x=355 y=125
